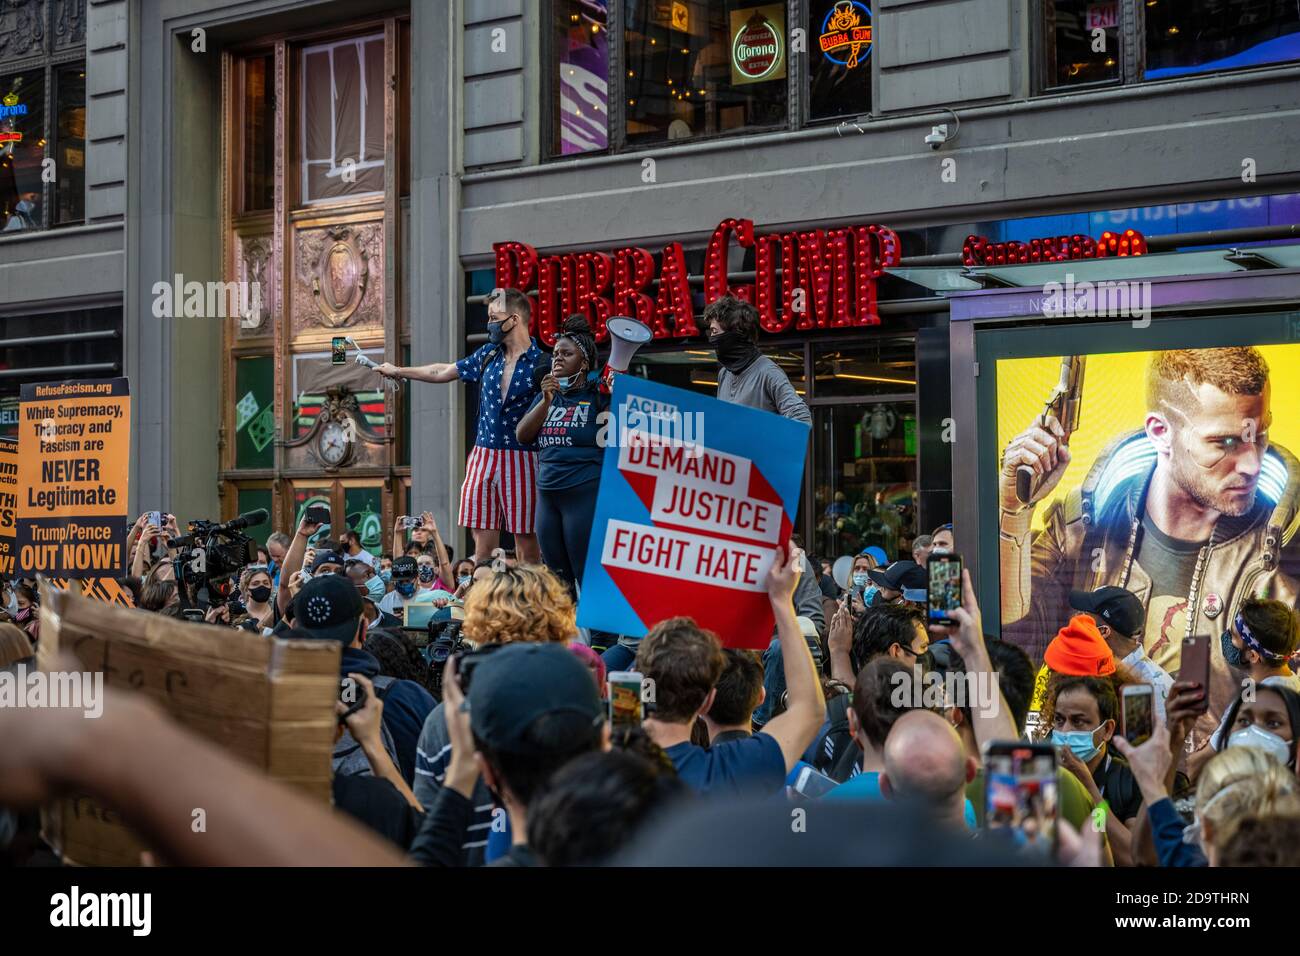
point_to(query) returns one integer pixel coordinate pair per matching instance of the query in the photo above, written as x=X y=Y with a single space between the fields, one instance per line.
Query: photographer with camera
x=209 y=557
x=329 y=607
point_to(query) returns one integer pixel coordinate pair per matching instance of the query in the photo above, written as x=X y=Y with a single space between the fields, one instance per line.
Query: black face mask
x=735 y=352
x=260 y=594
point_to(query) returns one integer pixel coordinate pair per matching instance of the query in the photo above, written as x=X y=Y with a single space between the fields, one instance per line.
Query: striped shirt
x=432 y=755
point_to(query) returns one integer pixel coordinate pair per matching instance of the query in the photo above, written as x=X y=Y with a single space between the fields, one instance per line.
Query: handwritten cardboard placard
x=268 y=702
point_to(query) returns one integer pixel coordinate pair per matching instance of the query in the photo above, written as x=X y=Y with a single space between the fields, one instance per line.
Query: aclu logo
x=208 y=300
x=76 y=909
x=662 y=423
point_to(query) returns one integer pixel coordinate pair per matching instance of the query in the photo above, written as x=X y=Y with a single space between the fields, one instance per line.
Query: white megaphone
x=626 y=335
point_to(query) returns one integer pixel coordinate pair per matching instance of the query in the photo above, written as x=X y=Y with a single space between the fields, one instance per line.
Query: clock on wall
x=334 y=442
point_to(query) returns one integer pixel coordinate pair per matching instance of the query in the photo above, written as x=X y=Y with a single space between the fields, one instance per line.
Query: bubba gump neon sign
x=827 y=280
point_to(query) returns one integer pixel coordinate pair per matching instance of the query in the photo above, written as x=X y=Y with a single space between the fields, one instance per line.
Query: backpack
x=348 y=758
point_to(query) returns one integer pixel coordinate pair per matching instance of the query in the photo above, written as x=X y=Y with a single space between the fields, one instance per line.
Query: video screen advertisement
x=1159 y=460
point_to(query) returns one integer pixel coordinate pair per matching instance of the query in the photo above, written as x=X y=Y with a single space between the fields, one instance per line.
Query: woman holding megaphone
x=564 y=422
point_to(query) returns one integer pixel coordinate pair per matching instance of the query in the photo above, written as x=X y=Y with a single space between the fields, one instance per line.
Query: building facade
x=596 y=152
x=62 y=193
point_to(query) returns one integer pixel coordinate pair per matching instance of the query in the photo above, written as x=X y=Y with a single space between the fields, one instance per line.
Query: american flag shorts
x=499 y=482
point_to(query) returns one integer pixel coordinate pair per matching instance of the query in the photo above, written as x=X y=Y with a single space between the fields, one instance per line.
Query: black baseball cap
x=1118 y=607
x=328 y=608
x=900 y=576
x=327 y=557
x=405 y=568
x=518 y=684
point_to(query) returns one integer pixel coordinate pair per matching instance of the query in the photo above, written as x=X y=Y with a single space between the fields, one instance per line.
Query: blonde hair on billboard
x=1240 y=370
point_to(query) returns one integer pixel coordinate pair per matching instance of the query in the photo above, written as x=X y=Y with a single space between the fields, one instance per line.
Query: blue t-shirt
x=497 y=418
x=568 y=453
x=732 y=768
x=865 y=788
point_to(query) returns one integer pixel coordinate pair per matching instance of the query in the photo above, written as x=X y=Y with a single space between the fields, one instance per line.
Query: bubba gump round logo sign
x=756 y=50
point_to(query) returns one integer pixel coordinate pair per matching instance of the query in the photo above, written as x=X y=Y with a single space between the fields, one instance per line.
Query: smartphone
x=1139 y=712
x=811 y=782
x=339 y=350
x=625 y=699
x=193 y=614
x=407 y=522
x=318 y=515
x=1194 y=665
x=1020 y=794
x=155 y=518
x=945 y=587
x=352 y=694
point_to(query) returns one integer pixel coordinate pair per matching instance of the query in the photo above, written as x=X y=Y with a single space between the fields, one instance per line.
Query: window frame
x=796 y=79
x=1132 y=54
x=50 y=63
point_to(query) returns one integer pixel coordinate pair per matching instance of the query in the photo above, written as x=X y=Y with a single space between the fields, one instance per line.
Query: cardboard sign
x=695 y=495
x=74 y=450
x=268 y=702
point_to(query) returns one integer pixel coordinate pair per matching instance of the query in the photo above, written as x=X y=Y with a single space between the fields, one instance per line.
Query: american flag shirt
x=497 y=418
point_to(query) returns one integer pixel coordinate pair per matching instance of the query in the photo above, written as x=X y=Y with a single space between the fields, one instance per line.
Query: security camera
x=938 y=136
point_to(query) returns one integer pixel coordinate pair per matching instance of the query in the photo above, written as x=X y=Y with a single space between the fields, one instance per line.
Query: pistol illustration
x=1066 y=403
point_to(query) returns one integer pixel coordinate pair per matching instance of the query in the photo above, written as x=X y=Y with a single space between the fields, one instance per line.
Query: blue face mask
x=870 y=596
x=405 y=588
x=425 y=573
x=860 y=579
x=386 y=575
x=465 y=580
x=375 y=587
x=497 y=331
x=567 y=382
x=1079 y=741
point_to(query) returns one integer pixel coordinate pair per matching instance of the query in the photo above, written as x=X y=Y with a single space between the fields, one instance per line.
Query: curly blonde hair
x=525 y=603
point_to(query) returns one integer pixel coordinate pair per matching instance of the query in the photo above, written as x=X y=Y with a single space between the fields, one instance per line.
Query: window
x=258 y=119
x=702 y=69
x=580 y=98
x=839 y=50
x=342 y=119
x=1183 y=37
x=42 y=114
x=1082 y=39
x=1081 y=42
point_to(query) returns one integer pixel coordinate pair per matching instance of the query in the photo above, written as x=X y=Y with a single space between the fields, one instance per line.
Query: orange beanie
x=1079 y=651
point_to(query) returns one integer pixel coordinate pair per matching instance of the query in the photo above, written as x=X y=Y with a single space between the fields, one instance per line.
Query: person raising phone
x=500 y=477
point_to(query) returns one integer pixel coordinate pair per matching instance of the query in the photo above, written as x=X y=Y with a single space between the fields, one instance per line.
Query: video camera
x=212 y=554
x=444 y=641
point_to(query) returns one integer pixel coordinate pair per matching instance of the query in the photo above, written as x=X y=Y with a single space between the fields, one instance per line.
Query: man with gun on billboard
x=1193 y=513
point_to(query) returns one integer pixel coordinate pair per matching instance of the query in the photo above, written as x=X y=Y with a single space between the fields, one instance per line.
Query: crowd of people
x=486 y=728
x=486 y=736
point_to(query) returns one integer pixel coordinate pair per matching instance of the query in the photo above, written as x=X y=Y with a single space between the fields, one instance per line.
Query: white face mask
x=1254 y=736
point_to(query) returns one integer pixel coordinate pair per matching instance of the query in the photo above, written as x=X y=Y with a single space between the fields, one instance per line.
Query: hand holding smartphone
x=1020 y=794
x=1194 y=666
x=1138 y=712
x=944 y=587
x=625 y=708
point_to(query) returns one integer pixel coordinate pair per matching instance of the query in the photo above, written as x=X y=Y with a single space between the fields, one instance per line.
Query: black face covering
x=735 y=352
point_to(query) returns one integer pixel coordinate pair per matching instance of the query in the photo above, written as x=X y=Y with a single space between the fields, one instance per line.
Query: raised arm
x=805 y=710
x=435 y=372
x=439 y=549
x=293 y=560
